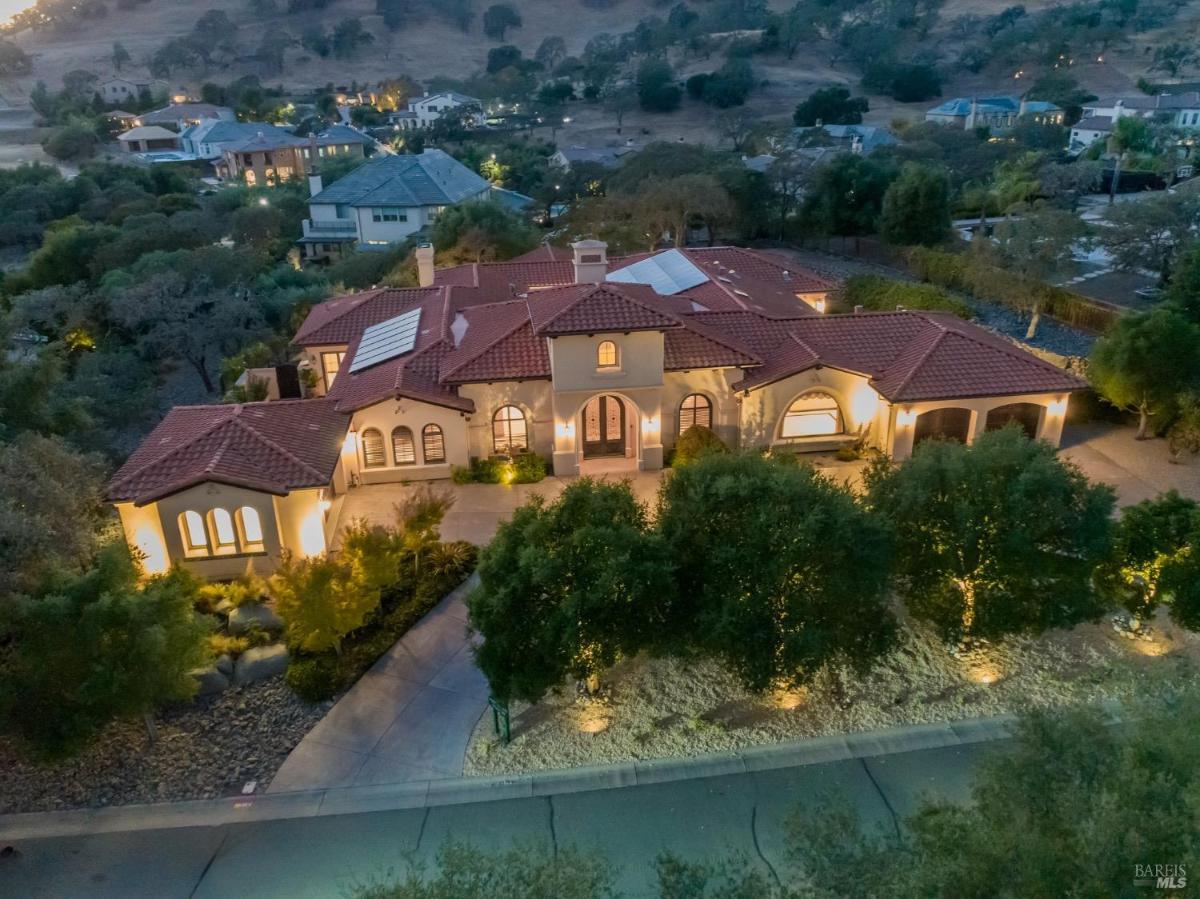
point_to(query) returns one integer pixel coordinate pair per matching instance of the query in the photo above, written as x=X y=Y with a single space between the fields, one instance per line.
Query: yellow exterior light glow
x=1058 y=407
x=864 y=403
x=906 y=418
x=649 y=424
x=312 y=534
x=564 y=429
x=819 y=305
x=150 y=545
x=350 y=444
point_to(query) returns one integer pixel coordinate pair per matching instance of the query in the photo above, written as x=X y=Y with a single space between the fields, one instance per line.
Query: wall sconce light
x=906 y=417
x=649 y=424
x=1058 y=407
x=350 y=444
x=564 y=429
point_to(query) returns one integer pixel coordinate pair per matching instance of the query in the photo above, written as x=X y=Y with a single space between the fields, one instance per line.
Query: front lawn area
x=655 y=708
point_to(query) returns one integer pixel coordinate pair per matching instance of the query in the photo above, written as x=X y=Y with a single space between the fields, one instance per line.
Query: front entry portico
x=603 y=428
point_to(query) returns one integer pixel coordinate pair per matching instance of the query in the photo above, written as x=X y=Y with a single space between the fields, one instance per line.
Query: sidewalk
x=409 y=718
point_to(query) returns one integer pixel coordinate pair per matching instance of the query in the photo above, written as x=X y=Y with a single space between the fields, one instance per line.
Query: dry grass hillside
x=433 y=47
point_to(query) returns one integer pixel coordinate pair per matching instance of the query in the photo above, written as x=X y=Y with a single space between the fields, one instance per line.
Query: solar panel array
x=668 y=273
x=387 y=340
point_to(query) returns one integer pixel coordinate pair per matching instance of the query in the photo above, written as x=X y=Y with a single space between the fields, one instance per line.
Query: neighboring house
x=511 y=200
x=121 y=90
x=1100 y=116
x=178 y=116
x=210 y=137
x=275 y=157
x=145 y=138
x=597 y=364
x=609 y=157
x=997 y=113
x=422 y=112
x=385 y=200
x=859 y=139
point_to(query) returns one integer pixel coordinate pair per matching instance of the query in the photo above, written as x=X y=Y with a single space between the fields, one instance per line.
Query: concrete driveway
x=1137 y=469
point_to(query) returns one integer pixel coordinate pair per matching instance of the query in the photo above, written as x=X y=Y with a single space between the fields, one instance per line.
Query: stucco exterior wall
x=414 y=415
x=639 y=355
x=712 y=383
x=203 y=498
x=534 y=398
x=903 y=418
x=863 y=410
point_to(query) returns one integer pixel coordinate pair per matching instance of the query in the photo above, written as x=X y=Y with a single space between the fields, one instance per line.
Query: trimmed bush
x=695 y=442
x=526 y=468
x=314 y=678
x=880 y=294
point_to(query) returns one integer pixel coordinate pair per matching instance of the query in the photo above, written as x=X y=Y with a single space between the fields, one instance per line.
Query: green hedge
x=880 y=294
x=525 y=468
x=959 y=271
x=318 y=676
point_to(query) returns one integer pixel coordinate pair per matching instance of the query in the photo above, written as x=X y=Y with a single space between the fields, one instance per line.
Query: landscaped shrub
x=995 y=538
x=695 y=442
x=94 y=647
x=566 y=587
x=880 y=294
x=523 y=468
x=778 y=571
x=314 y=678
x=247 y=588
x=528 y=468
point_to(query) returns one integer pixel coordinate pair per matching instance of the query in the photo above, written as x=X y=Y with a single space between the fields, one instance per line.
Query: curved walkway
x=409 y=718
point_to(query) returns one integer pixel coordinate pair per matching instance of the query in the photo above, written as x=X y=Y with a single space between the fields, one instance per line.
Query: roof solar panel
x=387 y=340
x=669 y=273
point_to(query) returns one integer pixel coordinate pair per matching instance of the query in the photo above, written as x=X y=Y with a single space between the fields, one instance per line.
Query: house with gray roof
x=996 y=113
x=386 y=200
x=858 y=139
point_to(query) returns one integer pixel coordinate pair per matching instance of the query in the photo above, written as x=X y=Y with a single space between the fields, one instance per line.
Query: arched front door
x=948 y=424
x=1027 y=415
x=603 y=427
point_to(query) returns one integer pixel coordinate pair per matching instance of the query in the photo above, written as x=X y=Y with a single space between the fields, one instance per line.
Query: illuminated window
x=696 y=409
x=372 y=444
x=606 y=354
x=812 y=415
x=251 y=178
x=508 y=430
x=222 y=530
x=195 y=537
x=330 y=364
x=250 y=527
x=434 y=444
x=403 y=449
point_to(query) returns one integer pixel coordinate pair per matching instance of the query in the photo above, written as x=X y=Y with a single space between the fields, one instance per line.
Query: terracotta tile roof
x=697 y=346
x=910 y=356
x=342 y=320
x=590 y=308
x=735 y=262
x=273 y=447
x=498 y=345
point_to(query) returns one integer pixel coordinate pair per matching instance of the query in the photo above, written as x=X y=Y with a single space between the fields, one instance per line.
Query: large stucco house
x=423 y=111
x=596 y=363
x=997 y=113
x=385 y=200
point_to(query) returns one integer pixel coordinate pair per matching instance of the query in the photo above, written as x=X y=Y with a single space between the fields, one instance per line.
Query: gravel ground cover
x=205 y=749
x=658 y=708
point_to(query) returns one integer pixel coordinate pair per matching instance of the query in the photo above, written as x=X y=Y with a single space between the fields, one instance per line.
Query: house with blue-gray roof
x=996 y=113
x=386 y=200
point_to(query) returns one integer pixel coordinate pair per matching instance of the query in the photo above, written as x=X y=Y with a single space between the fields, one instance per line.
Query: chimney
x=315 y=185
x=858 y=309
x=590 y=260
x=424 y=255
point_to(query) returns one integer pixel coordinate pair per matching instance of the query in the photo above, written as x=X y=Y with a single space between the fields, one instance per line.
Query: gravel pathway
x=208 y=748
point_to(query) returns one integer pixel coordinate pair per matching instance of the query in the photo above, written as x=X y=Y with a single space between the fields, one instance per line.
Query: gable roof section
x=499 y=345
x=273 y=447
x=593 y=308
x=431 y=179
x=911 y=356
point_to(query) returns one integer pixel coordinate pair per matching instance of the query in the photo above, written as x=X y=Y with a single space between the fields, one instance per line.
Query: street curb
x=457 y=791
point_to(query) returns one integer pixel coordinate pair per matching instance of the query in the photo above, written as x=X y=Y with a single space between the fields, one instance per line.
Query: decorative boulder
x=210 y=680
x=224 y=607
x=254 y=614
x=260 y=663
x=224 y=664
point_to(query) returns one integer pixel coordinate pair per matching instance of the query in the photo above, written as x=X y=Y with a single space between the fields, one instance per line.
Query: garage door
x=947 y=424
x=1027 y=415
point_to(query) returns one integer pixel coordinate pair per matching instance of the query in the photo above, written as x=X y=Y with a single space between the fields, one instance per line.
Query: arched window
x=508 y=430
x=812 y=415
x=195 y=537
x=434 y=444
x=696 y=409
x=225 y=537
x=606 y=354
x=404 y=451
x=250 y=528
x=372 y=443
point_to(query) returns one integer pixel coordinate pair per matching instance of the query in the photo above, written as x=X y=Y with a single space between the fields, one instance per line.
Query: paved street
x=700 y=818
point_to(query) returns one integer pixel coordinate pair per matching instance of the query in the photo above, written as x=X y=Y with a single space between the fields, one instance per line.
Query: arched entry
x=603 y=427
x=948 y=424
x=1027 y=415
